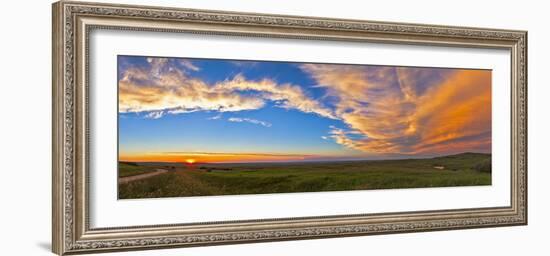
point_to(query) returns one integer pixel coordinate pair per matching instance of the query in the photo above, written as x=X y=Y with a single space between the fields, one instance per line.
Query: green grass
x=236 y=179
x=131 y=169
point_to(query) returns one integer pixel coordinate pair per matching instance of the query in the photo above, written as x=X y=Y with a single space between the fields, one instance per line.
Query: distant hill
x=474 y=161
x=466 y=154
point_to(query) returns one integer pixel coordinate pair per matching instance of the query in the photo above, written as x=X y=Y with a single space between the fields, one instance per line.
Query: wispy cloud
x=249 y=120
x=154 y=115
x=164 y=87
x=216 y=117
x=189 y=65
x=408 y=110
x=285 y=95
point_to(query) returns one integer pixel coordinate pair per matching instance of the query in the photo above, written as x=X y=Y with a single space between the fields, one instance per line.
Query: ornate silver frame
x=72 y=22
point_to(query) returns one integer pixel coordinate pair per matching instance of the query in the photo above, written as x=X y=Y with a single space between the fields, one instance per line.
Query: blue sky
x=172 y=109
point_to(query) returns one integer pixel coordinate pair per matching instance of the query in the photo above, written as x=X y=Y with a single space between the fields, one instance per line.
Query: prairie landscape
x=204 y=127
x=196 y=179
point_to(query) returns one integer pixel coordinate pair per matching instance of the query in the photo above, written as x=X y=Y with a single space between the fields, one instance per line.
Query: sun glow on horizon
x=191 y=158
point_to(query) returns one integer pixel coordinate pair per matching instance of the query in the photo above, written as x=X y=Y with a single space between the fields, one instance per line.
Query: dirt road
x=124 y=180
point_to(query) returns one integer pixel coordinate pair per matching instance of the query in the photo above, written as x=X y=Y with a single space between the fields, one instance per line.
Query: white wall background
x=25 y=100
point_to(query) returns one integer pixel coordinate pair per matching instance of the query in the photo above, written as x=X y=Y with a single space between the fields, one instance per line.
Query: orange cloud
x=457 y=111
x=404 y=110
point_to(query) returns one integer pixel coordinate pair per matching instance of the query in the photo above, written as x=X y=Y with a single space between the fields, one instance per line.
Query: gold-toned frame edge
x=71 y=232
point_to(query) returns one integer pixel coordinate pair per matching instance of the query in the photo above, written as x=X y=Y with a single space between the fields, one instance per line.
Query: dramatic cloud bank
x=166 y=88
x=408 y=110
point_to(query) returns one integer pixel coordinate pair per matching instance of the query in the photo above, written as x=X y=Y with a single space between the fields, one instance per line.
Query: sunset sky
x=176 y=109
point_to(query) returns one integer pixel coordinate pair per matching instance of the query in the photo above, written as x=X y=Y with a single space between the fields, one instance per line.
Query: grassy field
x=466 y=169
x=126 y=169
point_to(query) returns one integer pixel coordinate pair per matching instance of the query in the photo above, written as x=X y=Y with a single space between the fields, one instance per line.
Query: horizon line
x=315 y=160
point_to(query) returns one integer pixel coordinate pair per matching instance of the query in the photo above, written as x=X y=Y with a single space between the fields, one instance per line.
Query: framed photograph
x=178 y=127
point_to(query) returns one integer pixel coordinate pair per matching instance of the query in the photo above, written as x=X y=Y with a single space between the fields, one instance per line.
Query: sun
x=190 y=161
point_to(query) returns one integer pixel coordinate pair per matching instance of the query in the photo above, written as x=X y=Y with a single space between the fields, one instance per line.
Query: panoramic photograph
x=212 y=127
